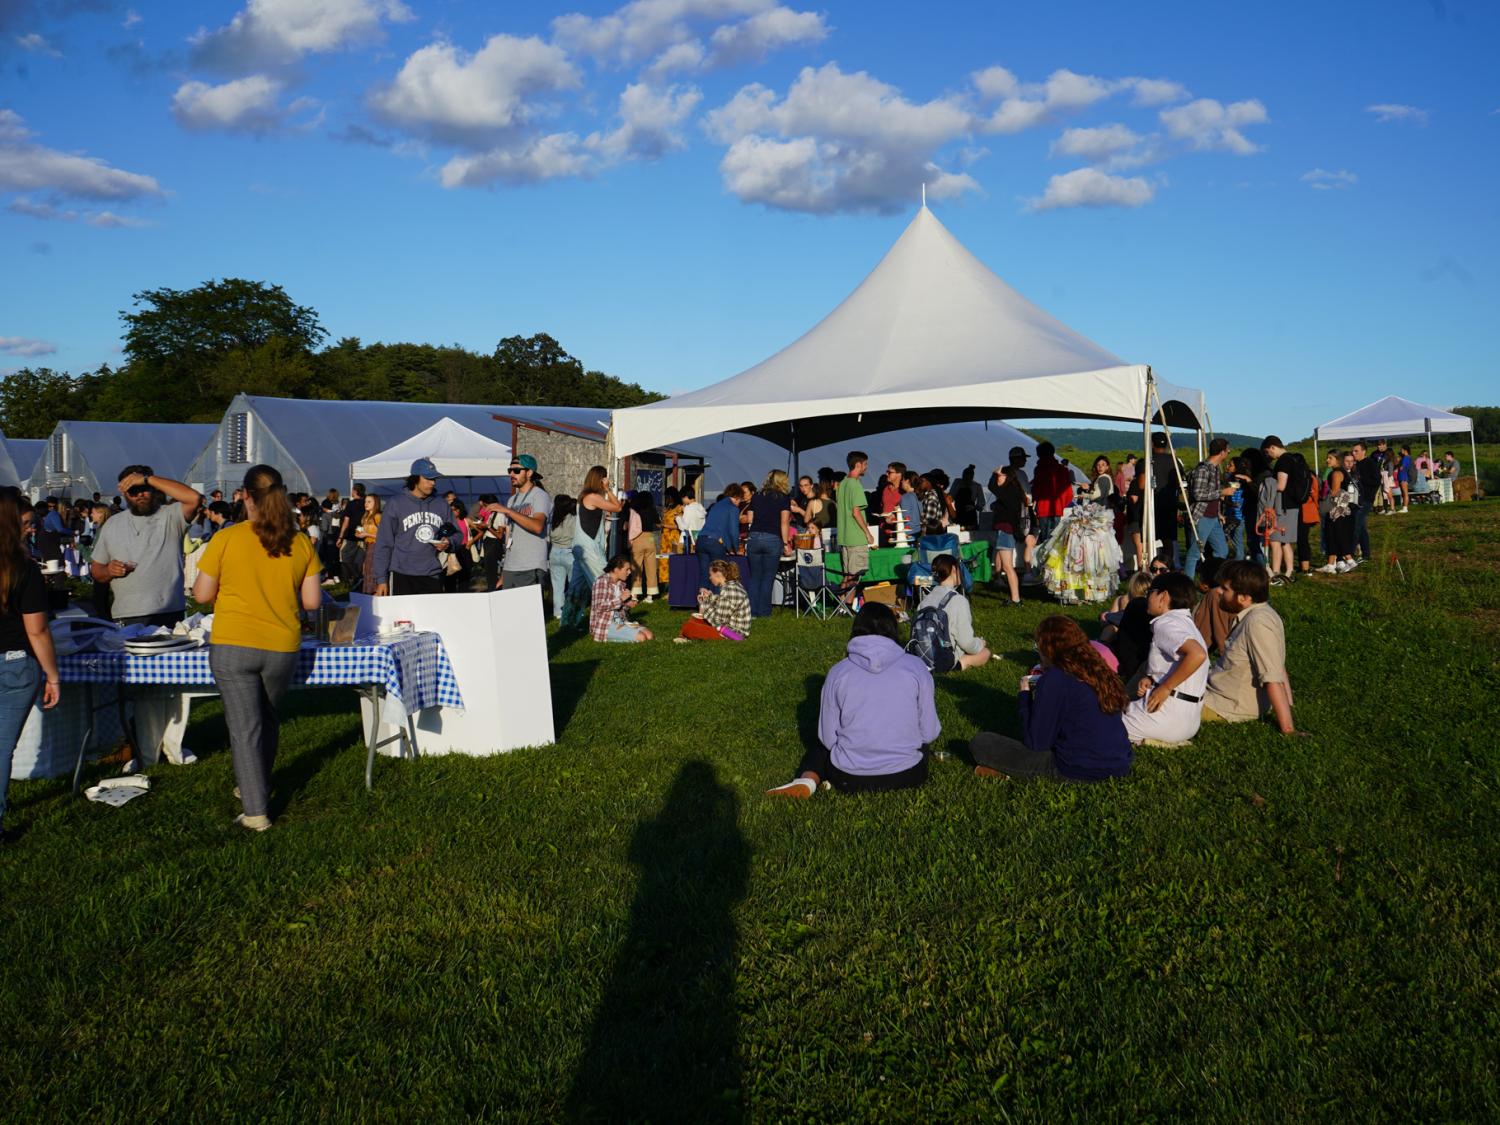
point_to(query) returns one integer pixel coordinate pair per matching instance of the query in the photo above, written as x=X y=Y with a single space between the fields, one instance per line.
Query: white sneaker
x=132 y=766
x=1331 y=568
x=1403 y=511
x=183 y=757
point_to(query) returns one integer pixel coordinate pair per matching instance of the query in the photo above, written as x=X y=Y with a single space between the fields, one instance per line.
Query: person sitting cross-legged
x=1071 y=722
x=947 y=594
x=723 y=609
x=876 y=716
x=1249 y=678
x=607 y=620
x=1169 y=702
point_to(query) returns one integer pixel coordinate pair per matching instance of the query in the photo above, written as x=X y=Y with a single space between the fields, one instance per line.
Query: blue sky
x=1290 y=205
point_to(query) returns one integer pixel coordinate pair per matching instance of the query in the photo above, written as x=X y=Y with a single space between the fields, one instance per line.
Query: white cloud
x=642 y=29
x=1157 y=91
x=543 y=158
x=1096 y=143
x=446 y=93
x=764 y=33
x=31 y=208
x=1398 y=114
x=678 y=58
x=1323 y=180
x=1026 y=105
x=276 y=32
x=1089 y=187
x=996 y=82
x=132 y=17
x=1208 y=126
x=837 y=142
x=650 y=122
x=246 y=105
x=28 y=166
x=21 y=345
x=37 y=45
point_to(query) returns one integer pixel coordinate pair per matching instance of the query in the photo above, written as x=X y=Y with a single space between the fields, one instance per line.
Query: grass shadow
x=807 y=710
x=570 y=683
x=665 y=1039
x=292 y=778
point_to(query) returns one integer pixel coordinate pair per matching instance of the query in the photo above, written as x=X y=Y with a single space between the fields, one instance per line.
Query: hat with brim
x=424 y=468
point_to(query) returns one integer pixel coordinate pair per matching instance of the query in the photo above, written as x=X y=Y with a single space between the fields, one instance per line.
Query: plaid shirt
x=1203 y=486
x=728 y=609
x=606 y=605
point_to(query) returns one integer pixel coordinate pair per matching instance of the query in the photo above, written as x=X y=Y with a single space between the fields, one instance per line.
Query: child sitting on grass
x=875 y=717
x=1071 y=721
x=610 y=600
x=723 y=608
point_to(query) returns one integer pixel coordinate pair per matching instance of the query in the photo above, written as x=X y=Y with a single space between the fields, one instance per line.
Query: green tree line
x=187 y=353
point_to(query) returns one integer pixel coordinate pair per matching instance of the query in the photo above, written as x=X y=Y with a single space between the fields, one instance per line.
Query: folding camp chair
x=815 y=594
x=929 y=547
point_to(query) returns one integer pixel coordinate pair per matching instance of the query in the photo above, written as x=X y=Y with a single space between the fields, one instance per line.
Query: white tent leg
x=1315 y=449
x=1148 y=499
x=1474 y=460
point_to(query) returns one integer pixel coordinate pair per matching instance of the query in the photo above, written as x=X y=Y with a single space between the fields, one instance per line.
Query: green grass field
x=620 y=926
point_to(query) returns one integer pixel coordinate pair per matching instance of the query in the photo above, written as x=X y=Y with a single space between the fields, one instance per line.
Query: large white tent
x=1394 y=416
x=24 y=455
x=10 y=472
x=930 y=336
x=457 y=451
x=82 y=458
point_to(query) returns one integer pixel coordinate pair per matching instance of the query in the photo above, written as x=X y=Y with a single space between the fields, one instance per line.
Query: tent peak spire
x=924 y=197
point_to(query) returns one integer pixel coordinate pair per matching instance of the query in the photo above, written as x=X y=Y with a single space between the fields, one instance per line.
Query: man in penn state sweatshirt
x=413 y=528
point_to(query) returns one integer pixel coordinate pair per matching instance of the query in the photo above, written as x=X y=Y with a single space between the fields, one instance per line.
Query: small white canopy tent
x=457 y=451
x=930 y=336
x=1393 y=416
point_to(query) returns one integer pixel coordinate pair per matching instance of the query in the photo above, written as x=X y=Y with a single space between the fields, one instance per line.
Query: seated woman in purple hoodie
x=1072 y=715
x=875 y=718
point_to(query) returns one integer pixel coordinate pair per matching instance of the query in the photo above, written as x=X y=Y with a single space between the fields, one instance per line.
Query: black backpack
x=1298 y=479
x=930 y=640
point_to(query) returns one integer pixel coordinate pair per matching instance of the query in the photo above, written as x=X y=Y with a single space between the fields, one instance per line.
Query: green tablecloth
x=888 y=564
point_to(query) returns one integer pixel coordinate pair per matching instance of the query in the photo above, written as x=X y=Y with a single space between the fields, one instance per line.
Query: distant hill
x=1093 y=440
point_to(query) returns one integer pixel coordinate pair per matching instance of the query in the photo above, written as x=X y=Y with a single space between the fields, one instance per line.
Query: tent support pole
x=1428 y=423
x=1148 y=497
x=1177 y=471
x=1315 y=449
x=1474 y=454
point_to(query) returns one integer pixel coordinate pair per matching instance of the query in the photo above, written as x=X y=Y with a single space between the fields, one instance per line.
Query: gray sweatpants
x=251 y=682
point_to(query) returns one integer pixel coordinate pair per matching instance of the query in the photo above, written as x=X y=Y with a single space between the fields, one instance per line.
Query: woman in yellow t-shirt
x=257 y=574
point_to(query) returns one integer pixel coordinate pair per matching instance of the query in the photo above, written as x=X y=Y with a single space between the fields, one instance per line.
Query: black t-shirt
x=766 y=509
x=353 y=512
x=27 y=595
x=1367 y=480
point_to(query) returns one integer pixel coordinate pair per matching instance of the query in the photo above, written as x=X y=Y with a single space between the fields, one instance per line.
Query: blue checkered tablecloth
x=413 y=670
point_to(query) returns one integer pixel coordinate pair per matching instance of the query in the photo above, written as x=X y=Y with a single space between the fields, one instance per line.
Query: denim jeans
x=1362 y=529
x=1237 y=541
x=20 y=680
x=763 y=553
x=1210 y=534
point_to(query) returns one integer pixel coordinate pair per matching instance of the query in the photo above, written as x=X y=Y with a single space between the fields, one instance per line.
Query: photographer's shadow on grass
x=664 y=1045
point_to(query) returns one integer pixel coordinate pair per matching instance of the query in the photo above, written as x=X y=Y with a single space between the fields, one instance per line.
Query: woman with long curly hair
x=257 y=574
x=1072 y=721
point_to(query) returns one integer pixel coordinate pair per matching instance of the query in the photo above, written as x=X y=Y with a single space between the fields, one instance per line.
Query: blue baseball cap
x=423 y=467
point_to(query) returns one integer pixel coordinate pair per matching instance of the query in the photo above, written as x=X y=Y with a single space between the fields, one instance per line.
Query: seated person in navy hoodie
x=1072 y=723
x=875 y=718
